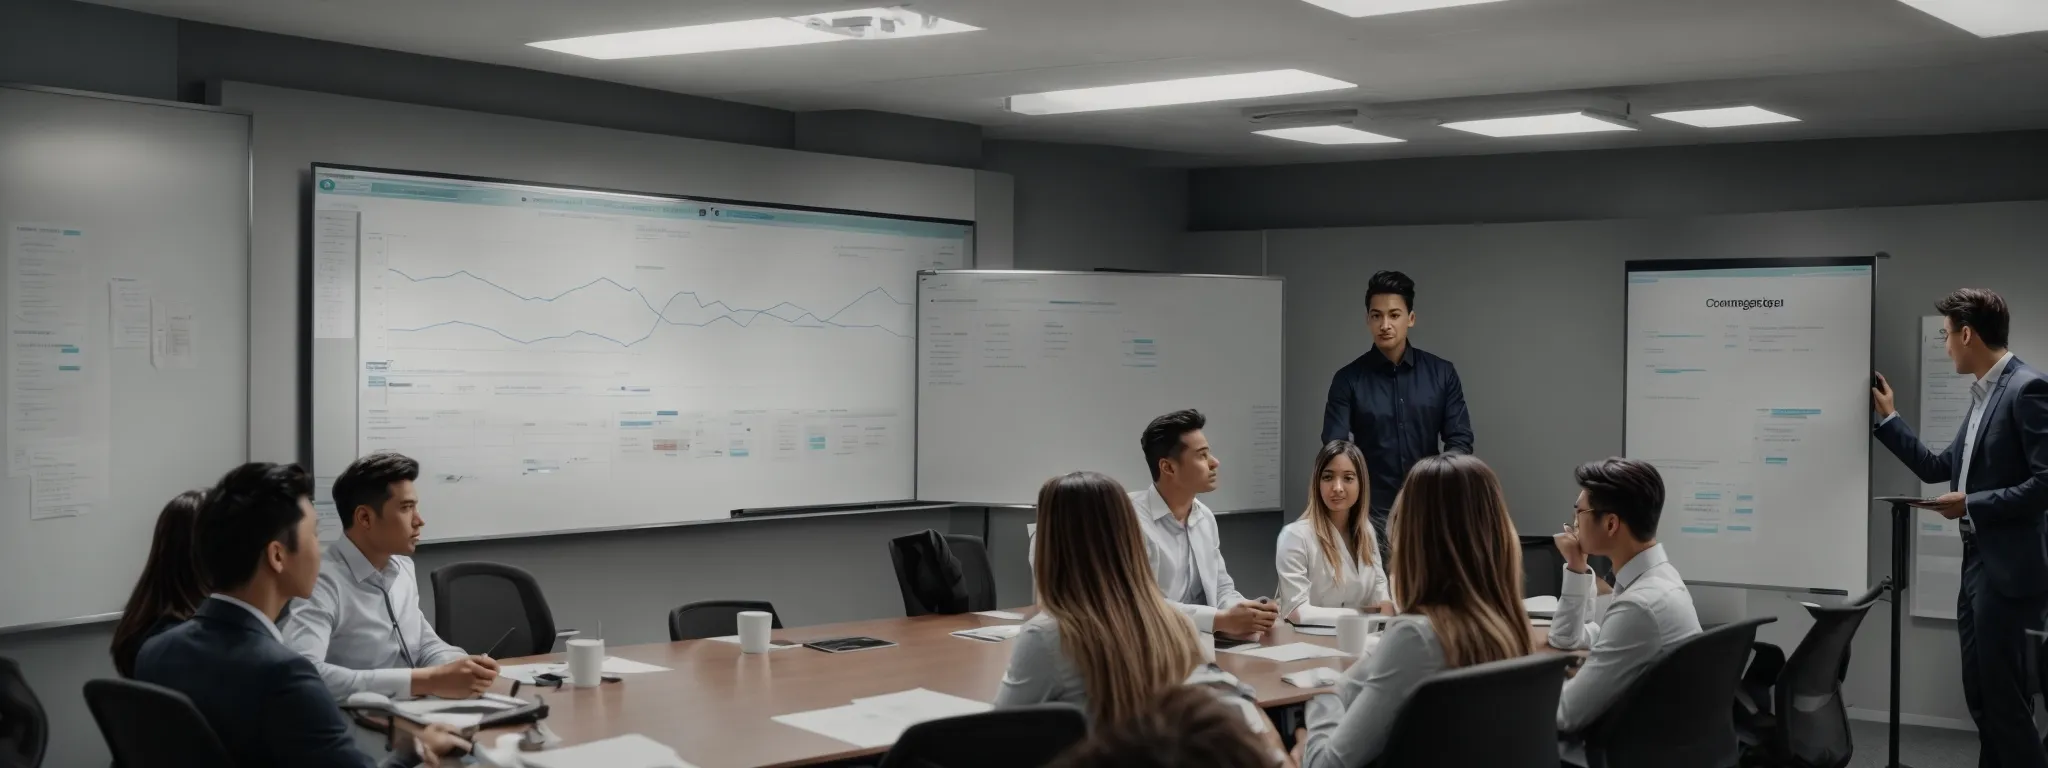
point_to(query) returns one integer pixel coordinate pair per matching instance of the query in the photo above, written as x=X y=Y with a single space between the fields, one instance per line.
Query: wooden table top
x=715 y=706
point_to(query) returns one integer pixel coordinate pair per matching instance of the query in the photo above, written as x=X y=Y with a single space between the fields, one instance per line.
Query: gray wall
x=65 y=44
x=1081 y=207
x=1627 y=183
x=1531 y=314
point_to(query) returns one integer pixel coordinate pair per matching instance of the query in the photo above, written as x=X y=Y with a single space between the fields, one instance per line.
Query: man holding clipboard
x=1997 y=471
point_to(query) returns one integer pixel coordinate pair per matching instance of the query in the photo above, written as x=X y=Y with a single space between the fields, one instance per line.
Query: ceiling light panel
x=1192 y=90
x=1988 y=18
x=1540 y=125
x=1360 y=8
x=837 y=26
x=1725 y=117
x=1329 y=134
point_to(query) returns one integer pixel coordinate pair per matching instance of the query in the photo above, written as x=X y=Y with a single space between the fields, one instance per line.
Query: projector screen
x=569 y=359
x=1748 y=388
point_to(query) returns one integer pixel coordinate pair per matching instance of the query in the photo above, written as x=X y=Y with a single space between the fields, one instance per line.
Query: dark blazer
x=263 y=699
x=2008 y=482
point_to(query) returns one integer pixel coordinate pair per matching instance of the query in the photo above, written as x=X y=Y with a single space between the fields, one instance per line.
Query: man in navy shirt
x=1395 y=401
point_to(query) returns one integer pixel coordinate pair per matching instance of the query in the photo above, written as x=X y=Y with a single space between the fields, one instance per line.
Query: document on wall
x=334 y=274
x=128 y=312
x=46 y=370
x=1944 y=407
x=171 y=325
x=67 y=479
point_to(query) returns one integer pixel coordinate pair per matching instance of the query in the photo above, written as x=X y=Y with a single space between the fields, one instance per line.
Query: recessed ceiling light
x=1329 y=134
x=863 y=24
x=1988 y=18
x=1358 y=8
x=1726 y=117
x=1249 y=85
x=1541 y=125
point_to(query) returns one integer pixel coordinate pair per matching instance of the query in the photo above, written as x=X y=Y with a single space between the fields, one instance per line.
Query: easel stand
x=1902 y=531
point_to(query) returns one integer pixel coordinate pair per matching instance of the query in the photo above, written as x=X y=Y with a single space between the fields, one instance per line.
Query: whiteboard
x=156 y=193
x=1026 y=375
x=1748 y=389
x=566 y=359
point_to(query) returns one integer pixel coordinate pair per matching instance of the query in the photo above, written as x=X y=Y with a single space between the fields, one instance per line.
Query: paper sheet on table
x=1316 y=677
x=1544 y=604
x=991 y=634
x=629 y=751
x=172 y=331
x=1312 y=629
x=613 y=665
x=852 y=723
x=460 y=713
x=128 y=312
x=918 y=705
x=772 y=645
x=1006 y=615
x=1291 y=652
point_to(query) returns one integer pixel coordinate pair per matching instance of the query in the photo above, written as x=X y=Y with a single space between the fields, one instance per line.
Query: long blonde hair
x=1092 y=576
x=1361 y=546
x=1457 y=560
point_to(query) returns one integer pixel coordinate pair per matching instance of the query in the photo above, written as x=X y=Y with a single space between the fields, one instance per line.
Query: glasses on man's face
x=1576 y=512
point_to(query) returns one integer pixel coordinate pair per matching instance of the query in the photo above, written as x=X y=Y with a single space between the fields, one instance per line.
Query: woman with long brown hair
x=168 y=591
x=1105 y=638
x=1329 y=559
x=1458 y=579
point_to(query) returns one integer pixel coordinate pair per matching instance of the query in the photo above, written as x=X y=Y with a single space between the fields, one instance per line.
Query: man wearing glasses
x=1616 y=516
x=362 y=628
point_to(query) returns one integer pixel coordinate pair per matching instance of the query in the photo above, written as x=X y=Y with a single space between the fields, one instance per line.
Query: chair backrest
x=1516 y=699
x=975 y=569
x=24 y=726
x=715 y=618
x=474 y=603
x=929 y=574
x=1542 y=567
x=150 y=726
x=1020 y=737
x=1813 y=722
x=1680 y=712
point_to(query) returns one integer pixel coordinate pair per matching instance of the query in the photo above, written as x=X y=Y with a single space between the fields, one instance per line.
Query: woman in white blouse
x=1329 y=559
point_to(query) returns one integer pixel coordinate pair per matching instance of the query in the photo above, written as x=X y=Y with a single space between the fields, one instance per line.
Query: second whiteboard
x=1026 y=375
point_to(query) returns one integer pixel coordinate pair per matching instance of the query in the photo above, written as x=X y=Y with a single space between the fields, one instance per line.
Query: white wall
x=1532 y=316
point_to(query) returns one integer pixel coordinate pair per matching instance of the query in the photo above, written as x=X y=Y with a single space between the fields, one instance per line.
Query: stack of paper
x=629 y=751
x=995 y=634
x=1288 y=652
x=458 y=713
x=1006 y=615
x=1540 y=605
x=613 y=665
x=878 y=721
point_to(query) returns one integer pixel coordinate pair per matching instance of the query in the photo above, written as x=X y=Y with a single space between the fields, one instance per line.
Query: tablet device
x=846 y=644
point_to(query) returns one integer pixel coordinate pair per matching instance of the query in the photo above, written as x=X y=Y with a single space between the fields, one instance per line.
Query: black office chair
x=715 y=618
x=150 y=726
x=24 y=726
x=974 y=567
x=1679 y=713
x=474 y=603
x=1789 y=712
x=1021 y=737
x=1519 y=698
x=1542 y=567
x=934 y=578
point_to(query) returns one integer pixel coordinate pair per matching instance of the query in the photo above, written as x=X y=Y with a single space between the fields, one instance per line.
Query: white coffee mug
x=586 y=663
x=1351 y=632
x=754 y=626
x=1208 y=643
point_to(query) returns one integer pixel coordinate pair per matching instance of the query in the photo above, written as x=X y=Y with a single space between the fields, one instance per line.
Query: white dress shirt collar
x=1152 y=504
x=1639 y=565
x=358 y=564
x=1990 y=377
x=269 y=623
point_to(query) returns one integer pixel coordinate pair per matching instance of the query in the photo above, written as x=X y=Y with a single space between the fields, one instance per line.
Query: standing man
x=1395 y=401
x=1181 y=540
x=362 y=628
x=1997 y=471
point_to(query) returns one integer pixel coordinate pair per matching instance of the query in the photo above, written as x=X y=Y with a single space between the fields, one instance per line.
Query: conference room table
x=715 y=705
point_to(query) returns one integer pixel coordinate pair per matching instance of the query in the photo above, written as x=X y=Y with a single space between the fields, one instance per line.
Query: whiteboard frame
x=1281 y=279
x=1870 y=362
x=248 y=258
x=306 y=356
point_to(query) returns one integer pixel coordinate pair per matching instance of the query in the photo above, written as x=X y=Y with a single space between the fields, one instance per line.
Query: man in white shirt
x=1997 y=470
x=362 y=627
x=1620 y=501
x=1181 y=540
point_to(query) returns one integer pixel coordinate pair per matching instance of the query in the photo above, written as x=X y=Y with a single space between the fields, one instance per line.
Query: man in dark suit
x=1997 y=471
x=256 y=541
